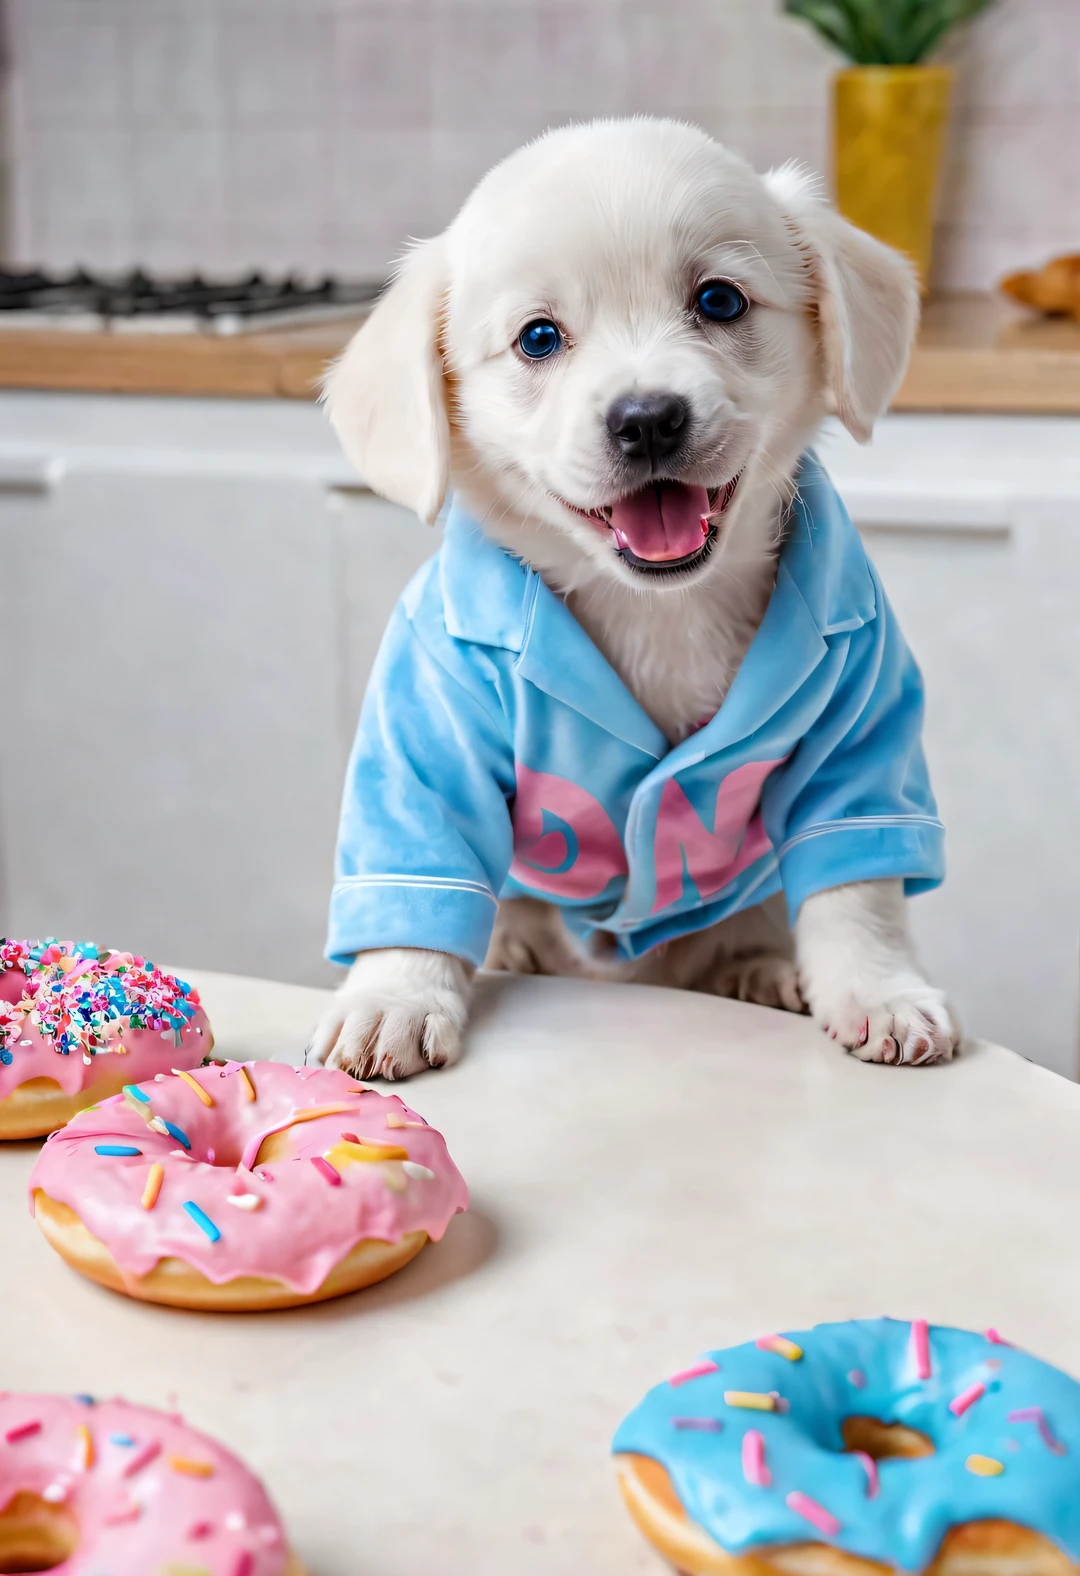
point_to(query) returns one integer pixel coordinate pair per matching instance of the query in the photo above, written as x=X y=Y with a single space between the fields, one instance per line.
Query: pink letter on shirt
x=565 y=843
x=713 y=858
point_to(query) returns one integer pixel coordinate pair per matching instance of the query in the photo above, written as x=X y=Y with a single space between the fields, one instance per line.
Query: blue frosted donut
x=884 y=1441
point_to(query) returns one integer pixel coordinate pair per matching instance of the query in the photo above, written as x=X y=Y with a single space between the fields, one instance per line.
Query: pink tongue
x=661 y=521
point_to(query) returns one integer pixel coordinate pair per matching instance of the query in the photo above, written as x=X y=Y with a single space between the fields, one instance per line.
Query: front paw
x=767 y=978
x=400 y=1011
x=912 y=1025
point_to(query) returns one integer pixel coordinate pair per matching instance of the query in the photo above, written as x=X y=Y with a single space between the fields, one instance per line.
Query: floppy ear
x=386 y=396
x=867 y=300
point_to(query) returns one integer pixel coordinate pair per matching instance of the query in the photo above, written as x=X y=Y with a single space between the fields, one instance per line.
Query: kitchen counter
x=975 y=353
x=652 y=1173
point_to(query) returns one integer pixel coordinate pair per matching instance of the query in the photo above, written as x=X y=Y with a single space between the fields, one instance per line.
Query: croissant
x=1054 y=288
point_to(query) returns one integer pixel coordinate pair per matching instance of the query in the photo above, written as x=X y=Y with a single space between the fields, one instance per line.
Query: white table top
x=652 y=1173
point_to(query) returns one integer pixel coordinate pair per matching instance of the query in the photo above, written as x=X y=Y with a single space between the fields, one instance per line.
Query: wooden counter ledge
x=975 y=353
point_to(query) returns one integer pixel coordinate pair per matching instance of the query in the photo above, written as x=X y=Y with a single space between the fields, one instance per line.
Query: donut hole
x=884 y=1441
x=35 y=1536
x=221 y=1149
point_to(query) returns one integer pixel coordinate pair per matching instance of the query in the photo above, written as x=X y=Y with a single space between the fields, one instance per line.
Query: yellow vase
x=888 y=137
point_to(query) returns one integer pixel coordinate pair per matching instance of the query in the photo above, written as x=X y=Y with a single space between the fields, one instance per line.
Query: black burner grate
x=137 y=294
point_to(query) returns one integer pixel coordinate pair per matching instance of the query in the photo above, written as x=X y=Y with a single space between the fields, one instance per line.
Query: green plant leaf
x=830 y=20
x=885 y=32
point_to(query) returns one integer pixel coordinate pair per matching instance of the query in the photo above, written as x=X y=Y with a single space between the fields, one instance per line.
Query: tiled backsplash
x=319 y=134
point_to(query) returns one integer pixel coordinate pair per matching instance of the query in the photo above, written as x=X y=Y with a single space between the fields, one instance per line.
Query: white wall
x=320 y=133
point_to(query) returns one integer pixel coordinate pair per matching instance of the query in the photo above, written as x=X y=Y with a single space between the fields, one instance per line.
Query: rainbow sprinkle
x=857 y=1378
x=79 y=995
x=1036 y=1415
x=193 y=1083
x=245 y=1564
x=203 y=1221
x=869 y=1466
x=812 y=1512
x=780 y=1345
x=703 y=1425
x=84 y=1449
x=129 y=1512
x=116 y=1149
x=341 y=1154
x=984 y=1466
x=245 y=1201
x=920 y=1347
x=153 y=1185
x=151 y=1449
x=325 y=1169
x=176 y=1132
x=189 y=1467
x=751 y=1401
x=960 y=1403
x=22 y=1431
x=753 y=1459
x=697 y=1371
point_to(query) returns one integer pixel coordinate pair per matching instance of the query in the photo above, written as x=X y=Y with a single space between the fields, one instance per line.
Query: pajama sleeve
x=425 y=838
x=853 y=801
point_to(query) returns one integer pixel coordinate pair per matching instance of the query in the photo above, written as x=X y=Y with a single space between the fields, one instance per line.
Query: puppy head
x=623 y=339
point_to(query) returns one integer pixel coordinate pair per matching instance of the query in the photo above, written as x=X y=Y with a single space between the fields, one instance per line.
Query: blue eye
x=540 y=339
x=721 y=302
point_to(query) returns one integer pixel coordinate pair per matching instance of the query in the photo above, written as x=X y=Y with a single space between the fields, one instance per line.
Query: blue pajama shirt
x=499 y=754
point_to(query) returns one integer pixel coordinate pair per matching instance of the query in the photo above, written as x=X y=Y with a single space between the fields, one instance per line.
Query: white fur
x=609 y=229
x=402 y=1010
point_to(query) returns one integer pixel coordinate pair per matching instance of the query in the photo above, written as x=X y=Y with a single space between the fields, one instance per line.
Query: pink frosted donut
x=77 y=1022
x=89 y=1487
x=244 y=1187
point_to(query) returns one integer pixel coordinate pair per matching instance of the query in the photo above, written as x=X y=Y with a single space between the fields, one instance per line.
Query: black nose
x=647 y=426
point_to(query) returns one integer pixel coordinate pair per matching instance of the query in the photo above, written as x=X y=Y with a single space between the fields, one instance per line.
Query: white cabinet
x=974 y=525
x=188 y=613
x=192 y=593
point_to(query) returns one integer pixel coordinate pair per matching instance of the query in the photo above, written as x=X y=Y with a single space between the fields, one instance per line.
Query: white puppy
x=550 y=353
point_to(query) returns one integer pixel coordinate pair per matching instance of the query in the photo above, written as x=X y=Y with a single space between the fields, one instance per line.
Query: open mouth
x=666 y=526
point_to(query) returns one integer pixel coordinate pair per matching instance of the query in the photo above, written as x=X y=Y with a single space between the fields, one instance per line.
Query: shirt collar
x=824 y=554
x=823 y=587
x=488 y=594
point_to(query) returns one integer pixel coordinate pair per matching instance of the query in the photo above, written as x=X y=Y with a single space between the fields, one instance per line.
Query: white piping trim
x=858 y=823
x=435 y=883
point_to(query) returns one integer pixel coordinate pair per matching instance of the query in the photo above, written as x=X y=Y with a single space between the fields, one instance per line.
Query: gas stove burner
x=137 y=302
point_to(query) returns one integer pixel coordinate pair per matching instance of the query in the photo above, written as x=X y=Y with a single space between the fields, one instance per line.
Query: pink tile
x=380 y=196
x=1012 y=168
x=79 y=198
x=174 y=64
x=382 y=66
x=1019 y=54
x=276 y=65
x=487 y=70
x=72 y=65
